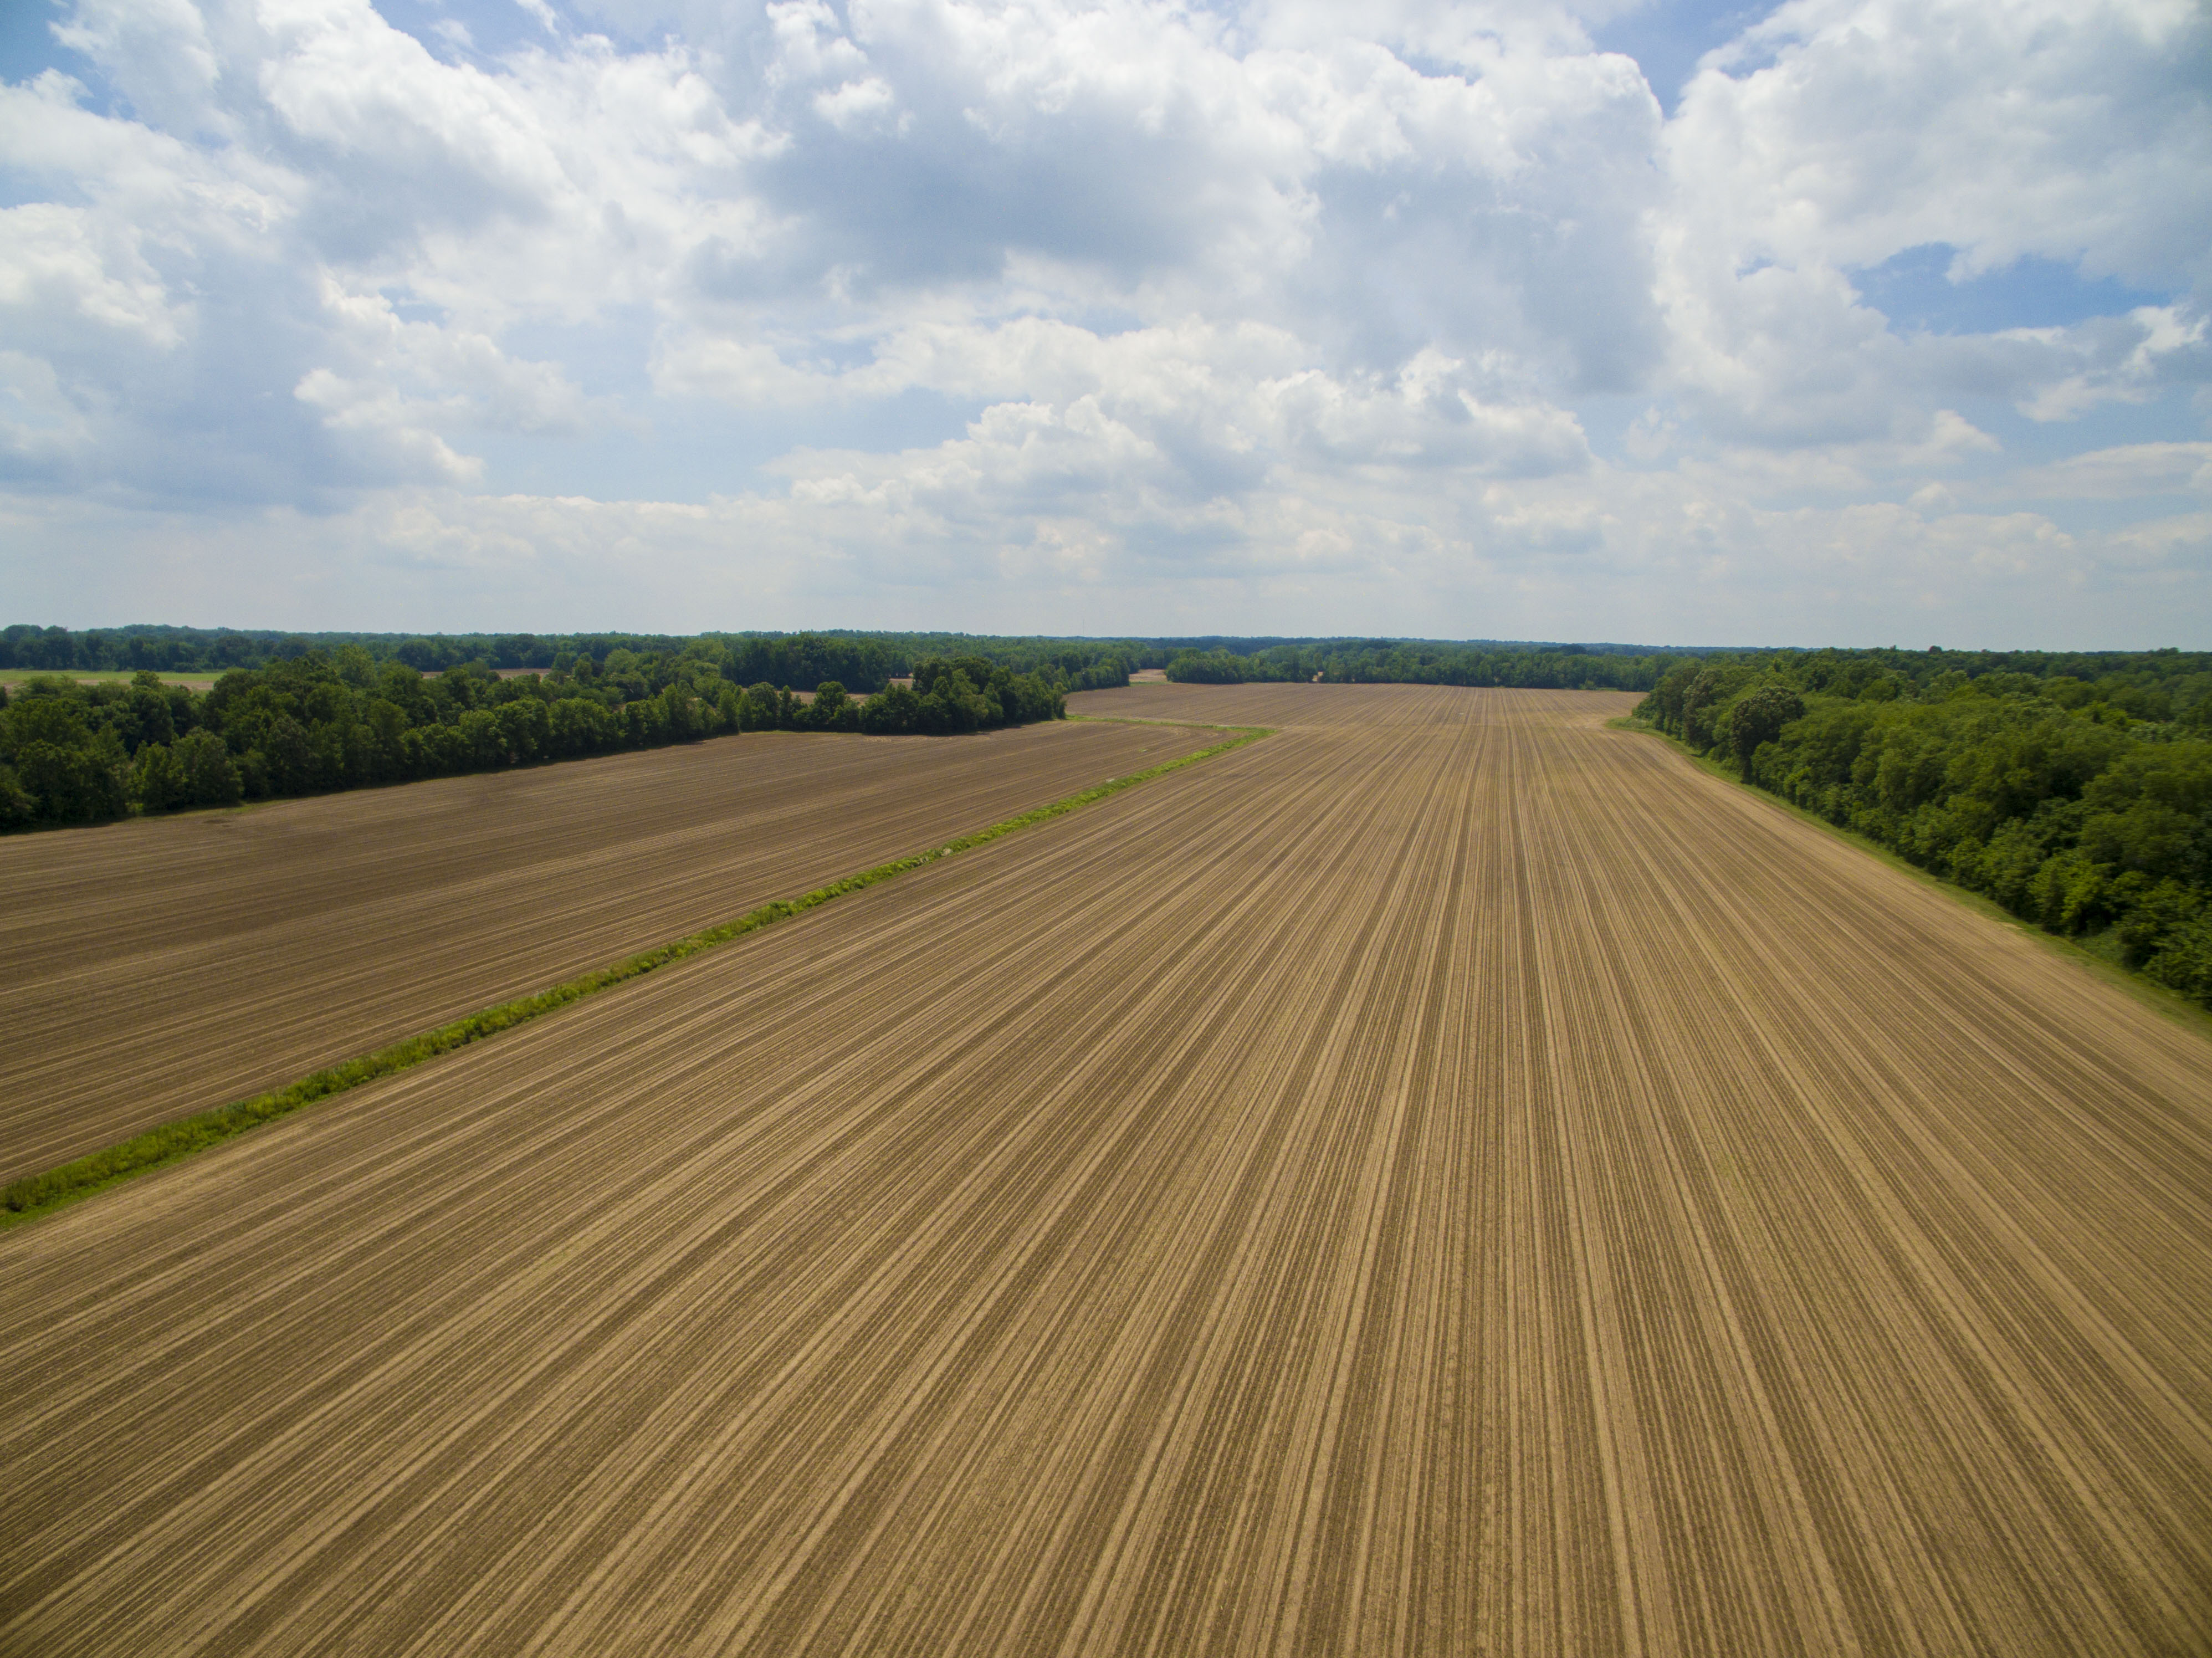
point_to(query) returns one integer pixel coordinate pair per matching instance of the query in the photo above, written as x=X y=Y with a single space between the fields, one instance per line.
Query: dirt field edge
x=2171 y=1005
x=33 y=1197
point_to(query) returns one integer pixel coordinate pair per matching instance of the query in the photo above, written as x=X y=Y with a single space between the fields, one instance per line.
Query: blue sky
x=1851 y=320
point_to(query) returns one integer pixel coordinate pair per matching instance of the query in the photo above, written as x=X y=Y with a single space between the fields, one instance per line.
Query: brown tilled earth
x=1450 y=1177
x=158 y=967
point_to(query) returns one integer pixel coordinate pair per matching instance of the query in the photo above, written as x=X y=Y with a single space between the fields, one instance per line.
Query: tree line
x=862 y=662
x=2074 y=790
x=1414 y=662
x=77 y=753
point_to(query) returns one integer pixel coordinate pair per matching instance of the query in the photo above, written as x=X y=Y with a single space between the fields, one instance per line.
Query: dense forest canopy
x=2075 y=790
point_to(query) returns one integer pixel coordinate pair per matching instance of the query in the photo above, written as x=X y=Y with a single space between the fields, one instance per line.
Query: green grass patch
x=36 y=1195
x=2097 y=955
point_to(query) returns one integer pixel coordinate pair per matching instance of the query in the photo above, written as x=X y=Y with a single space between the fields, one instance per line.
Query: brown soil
x=1449 y=1178
x=158 y=967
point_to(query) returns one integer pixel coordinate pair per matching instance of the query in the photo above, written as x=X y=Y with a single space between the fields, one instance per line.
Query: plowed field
x=1449 y=1178
x=156 y=967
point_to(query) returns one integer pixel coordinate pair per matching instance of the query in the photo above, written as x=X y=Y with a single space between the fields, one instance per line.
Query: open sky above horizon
x=1846 y=321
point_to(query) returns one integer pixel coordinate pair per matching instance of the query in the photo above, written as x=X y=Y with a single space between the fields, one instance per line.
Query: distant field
x=12 y=677
x=1449 y=1178
x=158 y=966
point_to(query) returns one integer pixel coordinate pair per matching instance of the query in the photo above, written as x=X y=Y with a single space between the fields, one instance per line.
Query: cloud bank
x=1411 y=319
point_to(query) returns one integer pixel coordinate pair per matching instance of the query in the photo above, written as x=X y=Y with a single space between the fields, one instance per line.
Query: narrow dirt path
x=1449 y=1178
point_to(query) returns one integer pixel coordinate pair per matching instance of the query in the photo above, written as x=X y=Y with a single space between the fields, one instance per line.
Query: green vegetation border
x=2156 y=996
x=34 y=1196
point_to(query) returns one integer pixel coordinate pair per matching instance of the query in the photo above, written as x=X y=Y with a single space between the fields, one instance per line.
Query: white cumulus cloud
x=1417 y=318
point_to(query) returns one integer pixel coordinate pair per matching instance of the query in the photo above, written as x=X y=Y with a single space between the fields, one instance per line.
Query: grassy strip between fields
x=36 y=1195
x=2156 y=996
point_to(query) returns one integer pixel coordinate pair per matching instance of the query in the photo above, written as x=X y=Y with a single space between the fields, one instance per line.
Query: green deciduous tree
x=157 y=780
x=211 y=777
x=1758 y=716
